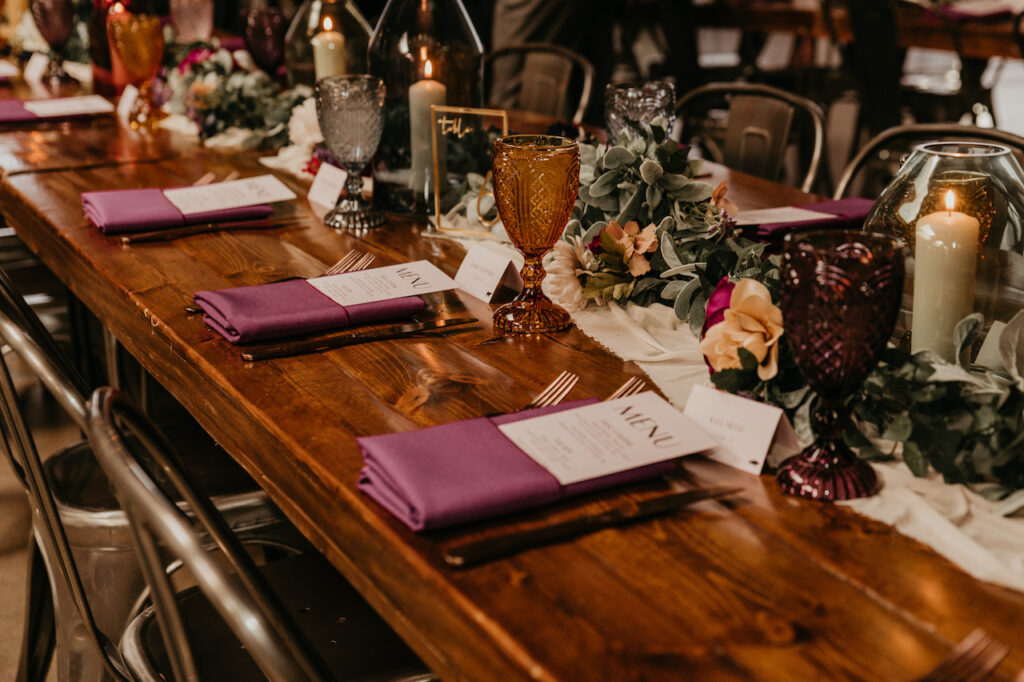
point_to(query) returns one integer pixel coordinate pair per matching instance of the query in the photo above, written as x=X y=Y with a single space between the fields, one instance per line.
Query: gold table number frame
x=455 y=122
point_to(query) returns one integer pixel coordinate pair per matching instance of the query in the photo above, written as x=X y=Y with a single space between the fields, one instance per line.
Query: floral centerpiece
x=646 y=230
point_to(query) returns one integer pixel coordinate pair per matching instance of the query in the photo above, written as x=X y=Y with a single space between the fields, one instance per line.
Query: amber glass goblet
x=840 y=294
x=536 y=179
x=55 y=20
x=138 y=41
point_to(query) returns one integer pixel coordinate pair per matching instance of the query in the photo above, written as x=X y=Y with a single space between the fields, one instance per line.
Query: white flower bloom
x=304 y=126
x=562 y=283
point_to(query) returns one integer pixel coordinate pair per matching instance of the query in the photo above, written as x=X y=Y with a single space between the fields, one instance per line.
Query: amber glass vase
x=536 y=179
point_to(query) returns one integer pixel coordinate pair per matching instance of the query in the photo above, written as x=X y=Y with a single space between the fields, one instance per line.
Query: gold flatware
x=974 y=659
x=632 y=386
x=321 y=343
x=189 y=230
x=479 y=551
x=554 y=392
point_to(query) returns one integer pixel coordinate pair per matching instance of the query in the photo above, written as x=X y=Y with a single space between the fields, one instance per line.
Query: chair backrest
x=903 y=138
x=758 y=128
x=146 y=477
x=26 y=336
x=545 y=76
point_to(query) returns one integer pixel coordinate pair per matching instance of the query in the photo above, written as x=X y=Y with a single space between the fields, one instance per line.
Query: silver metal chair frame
x=86 y=552
x=244 y=599
x=798 y=103
x=581 y=62
x=924 y=132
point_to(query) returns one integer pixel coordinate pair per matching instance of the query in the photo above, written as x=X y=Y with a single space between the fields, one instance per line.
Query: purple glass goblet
x=840 y=295
x=55 y=20
x=264 y=31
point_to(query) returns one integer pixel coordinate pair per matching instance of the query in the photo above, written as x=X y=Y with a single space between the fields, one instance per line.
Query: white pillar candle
x=945 y=256
x=422 y=95
x=328 y=52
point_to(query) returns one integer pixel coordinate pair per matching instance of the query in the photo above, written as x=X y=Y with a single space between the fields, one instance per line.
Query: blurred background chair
x=552 y=80
x=753 y=128
x=237 y=624
x=878 y=161
x=84 y=580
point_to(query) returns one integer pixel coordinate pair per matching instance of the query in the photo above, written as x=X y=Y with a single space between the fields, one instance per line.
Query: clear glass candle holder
x=638 y=102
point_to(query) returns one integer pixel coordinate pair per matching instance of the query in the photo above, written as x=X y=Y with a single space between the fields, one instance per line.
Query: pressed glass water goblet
x=536 y=179
x=55 y=20
x=840 y=295
x=193 y=19
x=138 y=41
x=351 y=113
x=264 y=31
x=638 y=102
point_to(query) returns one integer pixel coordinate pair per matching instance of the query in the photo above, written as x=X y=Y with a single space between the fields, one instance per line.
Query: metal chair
x=889 y=145
x=337 y=637
x=758 y=128
x=83 y=567
x=544 y=77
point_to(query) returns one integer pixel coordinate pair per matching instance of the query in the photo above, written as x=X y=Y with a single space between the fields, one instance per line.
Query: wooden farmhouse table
x=981 y=38
x=760 y=586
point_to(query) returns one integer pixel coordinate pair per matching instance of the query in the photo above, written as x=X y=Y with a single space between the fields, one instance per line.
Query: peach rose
x=751 y=322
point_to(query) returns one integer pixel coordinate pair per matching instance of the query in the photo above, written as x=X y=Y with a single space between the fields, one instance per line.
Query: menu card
x=783 y=214
x=68 y=106
x=8 y=70
x=220 y=196
x=607 y=438
x=381 y=284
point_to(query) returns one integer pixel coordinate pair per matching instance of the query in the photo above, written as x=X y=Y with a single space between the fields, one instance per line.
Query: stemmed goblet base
x=354 y=216
x=531 y=311
x=827 y=471
x=57 y=80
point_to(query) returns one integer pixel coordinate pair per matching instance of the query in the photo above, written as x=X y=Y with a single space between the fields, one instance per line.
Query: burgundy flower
x=718 y=303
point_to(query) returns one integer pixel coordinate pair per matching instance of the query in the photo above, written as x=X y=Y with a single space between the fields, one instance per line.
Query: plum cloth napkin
x=849 y=212
x=13 y=111
x=467 y=471
x=290 y=308
x=140 y=210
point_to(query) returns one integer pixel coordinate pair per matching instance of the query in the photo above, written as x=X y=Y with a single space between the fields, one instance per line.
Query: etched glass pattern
x=536 y=180
x=193 y=19
x=840 y=294
x=351 y=113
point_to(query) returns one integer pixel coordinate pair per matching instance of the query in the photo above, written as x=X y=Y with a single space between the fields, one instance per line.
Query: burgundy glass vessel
x=264 y=31
x=840 y=294
x=55 y=20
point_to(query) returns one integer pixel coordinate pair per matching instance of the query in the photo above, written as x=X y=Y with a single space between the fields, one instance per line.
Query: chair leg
x=40 y=630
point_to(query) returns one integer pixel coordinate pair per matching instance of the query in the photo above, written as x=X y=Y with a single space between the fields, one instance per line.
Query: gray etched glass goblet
x=351 y=112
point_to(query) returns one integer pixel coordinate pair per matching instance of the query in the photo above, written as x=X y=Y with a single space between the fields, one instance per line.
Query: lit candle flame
x=428 y=69
x=328 y=24
x=950 y=201
x=118 y=8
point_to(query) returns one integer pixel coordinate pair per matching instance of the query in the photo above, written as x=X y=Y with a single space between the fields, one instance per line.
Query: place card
x=484 y=273
x=124 y=105
x=69 y=106
x=8 y=70
x=607 y=438
x=745 y=429
x=327 y=187
x=381 y=284
x=36 y=67
x=220 y=196
x=782 y=214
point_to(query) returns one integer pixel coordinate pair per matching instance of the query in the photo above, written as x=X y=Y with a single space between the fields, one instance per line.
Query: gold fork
x=632 y=386
x=974 y=659
x=554 y=393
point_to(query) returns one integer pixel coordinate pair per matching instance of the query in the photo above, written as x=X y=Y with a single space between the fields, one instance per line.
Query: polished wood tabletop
x=981 y=38
x=760 y=586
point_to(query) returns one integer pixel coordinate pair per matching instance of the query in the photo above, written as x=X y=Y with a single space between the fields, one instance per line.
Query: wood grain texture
x=763 y=587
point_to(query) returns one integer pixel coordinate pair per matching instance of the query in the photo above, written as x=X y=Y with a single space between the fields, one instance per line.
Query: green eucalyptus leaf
x=899 y=428
x=673 y=182
x=914 y=458
x=668 y=251
x=650 y=171
x=673 y=289
x=696 y=314
x=693 y=192
x=653 y=196
x=605 y=184
x=631 y=210
x=618 y=156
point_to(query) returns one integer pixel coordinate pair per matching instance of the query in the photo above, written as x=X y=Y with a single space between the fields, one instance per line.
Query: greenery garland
x=969 y=427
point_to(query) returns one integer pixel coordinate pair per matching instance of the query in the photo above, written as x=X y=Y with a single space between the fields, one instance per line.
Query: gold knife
x=487 y=549
x=207 y=228
x=317 y=345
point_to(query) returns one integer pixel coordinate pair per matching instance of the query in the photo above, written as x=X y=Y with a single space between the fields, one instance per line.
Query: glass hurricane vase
x=960 y=208
x=536 y=179
x=345 y=20
x=638 y=102
x=428 y=52
x=840 y=294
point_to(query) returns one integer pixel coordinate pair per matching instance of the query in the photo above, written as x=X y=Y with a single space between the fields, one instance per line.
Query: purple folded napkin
x=141 y=210
x=290 y=308
x=469 y=470
x=13 y=111
x=844 y=213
